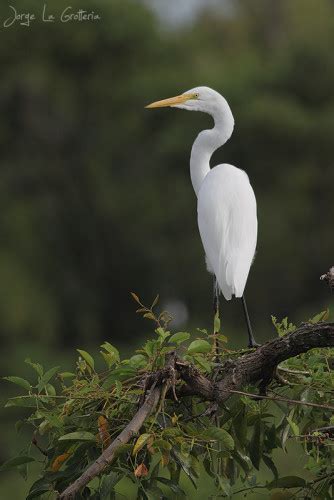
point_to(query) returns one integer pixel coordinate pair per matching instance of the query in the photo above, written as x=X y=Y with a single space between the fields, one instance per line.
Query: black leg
x=215 y=296
x=251 y=339
x=215 y=313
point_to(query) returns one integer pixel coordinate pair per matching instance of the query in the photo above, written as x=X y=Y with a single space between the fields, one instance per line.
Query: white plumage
x=226 y=202
x=228 y=226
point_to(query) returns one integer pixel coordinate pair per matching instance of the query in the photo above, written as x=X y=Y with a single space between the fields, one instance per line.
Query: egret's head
x=197 y=99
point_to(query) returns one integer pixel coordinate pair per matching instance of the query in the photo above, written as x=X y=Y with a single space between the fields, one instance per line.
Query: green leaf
x=225 y=485
x=294 y=427
x=179 y=337
x=255 y=448
x=221 y=435
x=111 y=350
x=141 y=441
x=171 y=484
x=282 y=327
x=222 y=338
x=36 y=366
x=322 y=316
x=54 y=420
x=230 y=412
x=18 y=425
x=271 y=438
x=118 y=387
x=122 y=449
x=287 y=482
x=87 y=357
x=242 y=460
x=185 y=448
x=119 y=373
x=154 y=465
x=185 y=464
x=171 y=432
x=153 y=492
x=78 y=436
x=203 y=362
x=270 y=464
x=199 y=346
x=163 y=334
x=216 y=323
x=322 y=491
x=67 y=375
x=14 y=462
x=108 y=358
x=285 y=431
x=19 y=381
x=167 y=349
x=46 y=377
x=240 y=426
x=162 y=444
x=208 y=466
x=29 y=402
x=138 y=361
x=107 y=485
x=38 y=488
x=50 y=390
x=38 y=492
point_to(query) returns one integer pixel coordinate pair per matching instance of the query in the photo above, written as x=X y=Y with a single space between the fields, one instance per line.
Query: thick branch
x=196 y=382
x=257 y=366
x=260 y=365
x=107 y=456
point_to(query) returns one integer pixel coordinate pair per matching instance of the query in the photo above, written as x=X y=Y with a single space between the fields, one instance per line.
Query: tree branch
x=108 y=455
x=158 y=380
x=261 y=364
x=257 y=366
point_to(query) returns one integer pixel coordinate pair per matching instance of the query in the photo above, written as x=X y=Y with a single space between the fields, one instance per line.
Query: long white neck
x=207 y=142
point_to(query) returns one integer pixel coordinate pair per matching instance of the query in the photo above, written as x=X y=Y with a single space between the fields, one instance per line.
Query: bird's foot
x=253 y=345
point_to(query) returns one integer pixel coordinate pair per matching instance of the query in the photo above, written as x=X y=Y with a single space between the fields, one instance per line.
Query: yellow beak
x=171 y=101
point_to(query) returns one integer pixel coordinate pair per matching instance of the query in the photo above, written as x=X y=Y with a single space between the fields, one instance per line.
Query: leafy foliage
x=75 y=416
x=95 y=191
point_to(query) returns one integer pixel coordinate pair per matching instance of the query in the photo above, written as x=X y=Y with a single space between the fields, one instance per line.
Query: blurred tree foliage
x=95 y=192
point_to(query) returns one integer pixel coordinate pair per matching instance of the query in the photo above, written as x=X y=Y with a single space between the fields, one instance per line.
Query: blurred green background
x=95 y=193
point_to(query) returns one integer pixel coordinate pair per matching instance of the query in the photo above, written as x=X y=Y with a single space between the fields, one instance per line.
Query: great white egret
x=226 y=206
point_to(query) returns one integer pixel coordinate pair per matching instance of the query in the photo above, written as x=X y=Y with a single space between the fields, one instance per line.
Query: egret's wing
x=228 y=226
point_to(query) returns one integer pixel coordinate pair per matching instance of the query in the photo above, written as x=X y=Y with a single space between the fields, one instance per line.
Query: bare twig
x=325 y=430
x=293 y=372
x=285 y=400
